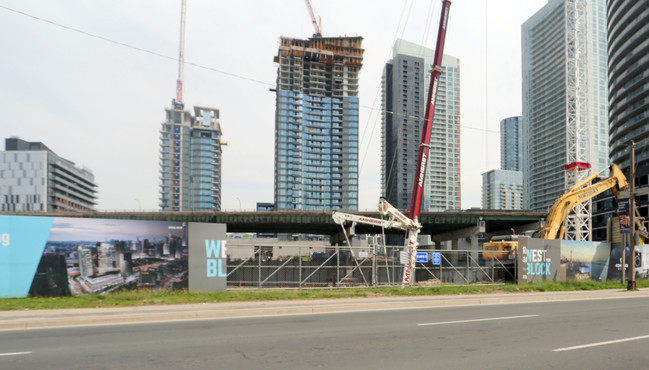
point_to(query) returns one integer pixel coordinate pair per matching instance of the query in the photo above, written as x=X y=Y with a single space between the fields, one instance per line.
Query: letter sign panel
x=208 y=271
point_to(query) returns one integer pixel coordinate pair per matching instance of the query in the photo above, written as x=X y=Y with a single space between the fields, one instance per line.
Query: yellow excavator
x=503 y=247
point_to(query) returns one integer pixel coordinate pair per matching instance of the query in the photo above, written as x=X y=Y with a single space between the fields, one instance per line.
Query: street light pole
x=138 y=203
x=632 y=284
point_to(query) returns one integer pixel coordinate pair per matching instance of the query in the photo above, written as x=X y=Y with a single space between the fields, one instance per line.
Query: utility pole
x=632 y=285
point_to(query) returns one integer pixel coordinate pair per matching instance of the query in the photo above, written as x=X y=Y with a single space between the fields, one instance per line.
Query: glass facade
x=628 y=57
x=316 y=124
x=511 y=143
x=548 y=103
x=502 y=189
x=190 y=160
x=405 y=90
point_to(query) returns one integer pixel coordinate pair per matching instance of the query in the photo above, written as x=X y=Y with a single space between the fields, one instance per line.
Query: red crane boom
x=397 y=219
x=422 y=158
x=316 y=25
x=415 y=206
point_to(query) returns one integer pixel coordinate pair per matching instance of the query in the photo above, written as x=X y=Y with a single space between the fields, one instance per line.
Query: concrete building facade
x=565 y=114
x=316 y=123
x=404 y=93
x=190 y=159
x=35 y=179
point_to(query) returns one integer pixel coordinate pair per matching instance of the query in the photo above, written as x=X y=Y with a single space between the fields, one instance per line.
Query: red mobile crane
x=397 y=219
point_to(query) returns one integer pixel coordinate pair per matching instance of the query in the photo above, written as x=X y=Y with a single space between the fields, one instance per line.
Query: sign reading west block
x=207 y=258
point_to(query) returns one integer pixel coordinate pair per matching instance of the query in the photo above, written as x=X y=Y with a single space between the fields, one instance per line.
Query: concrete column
x=454 y=257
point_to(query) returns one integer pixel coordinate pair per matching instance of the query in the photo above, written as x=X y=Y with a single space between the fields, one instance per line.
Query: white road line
x=14 y=353
x=600 y=343
x=474 y=320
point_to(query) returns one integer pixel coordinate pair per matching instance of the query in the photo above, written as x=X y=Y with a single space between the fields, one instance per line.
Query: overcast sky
x=101 y=104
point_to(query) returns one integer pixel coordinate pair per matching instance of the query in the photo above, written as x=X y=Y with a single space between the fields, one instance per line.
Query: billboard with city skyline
x=59 y=256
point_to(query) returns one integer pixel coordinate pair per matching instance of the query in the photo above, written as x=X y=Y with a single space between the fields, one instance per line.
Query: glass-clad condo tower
x=565 y=115
x=405 y=86
x=511 y=143
x=190 y=160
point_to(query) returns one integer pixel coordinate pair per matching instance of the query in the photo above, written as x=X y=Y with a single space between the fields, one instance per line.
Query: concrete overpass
x=440 y=225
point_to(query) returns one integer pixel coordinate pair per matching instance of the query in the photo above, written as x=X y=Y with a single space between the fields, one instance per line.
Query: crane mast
x=181 y=57
x=397 y=219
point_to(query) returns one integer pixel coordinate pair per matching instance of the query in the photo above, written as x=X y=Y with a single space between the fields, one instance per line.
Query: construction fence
x=317 y=267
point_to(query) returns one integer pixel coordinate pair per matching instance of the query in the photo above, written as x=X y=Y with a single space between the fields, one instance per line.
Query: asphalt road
x=592 y=334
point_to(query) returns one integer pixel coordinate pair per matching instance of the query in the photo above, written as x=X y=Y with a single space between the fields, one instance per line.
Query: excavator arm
x=577 y=194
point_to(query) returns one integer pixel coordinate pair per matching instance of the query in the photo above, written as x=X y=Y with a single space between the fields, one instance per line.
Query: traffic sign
x=437 y=258
x=422 y=257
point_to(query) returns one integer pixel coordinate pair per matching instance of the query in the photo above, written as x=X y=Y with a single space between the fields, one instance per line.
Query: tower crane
x=178 y=102
x=398 y=220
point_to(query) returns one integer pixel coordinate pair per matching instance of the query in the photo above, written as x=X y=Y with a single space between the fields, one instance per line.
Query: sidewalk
x=30 y=319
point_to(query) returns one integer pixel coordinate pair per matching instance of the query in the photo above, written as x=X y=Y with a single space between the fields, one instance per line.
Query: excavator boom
x=577 y=194
x=498 y=248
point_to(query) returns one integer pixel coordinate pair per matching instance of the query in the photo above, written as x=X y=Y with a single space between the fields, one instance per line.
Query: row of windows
x=318 y=198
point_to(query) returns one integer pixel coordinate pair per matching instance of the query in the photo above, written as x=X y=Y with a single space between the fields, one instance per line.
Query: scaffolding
x=579 y=222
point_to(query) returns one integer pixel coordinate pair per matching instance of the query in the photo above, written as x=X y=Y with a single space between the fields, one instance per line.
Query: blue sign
x=437 y=258
x=422 y=257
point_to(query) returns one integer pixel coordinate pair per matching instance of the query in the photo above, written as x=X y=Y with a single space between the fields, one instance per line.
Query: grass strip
x=166 y=297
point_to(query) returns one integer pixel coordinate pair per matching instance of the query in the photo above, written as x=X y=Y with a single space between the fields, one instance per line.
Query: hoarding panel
x=48 y=256
x=22 y=240
x=207 y=258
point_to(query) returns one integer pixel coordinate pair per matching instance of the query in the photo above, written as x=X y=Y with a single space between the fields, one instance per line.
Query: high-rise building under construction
x=316 y=123
x=190 y=160
x=190 y=150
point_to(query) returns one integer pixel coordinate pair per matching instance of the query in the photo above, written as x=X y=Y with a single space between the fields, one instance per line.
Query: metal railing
x=312 y=267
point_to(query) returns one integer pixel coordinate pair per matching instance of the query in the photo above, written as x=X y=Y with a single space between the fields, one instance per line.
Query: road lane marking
x=475 y=320
x=14 y=353
x=600 y=343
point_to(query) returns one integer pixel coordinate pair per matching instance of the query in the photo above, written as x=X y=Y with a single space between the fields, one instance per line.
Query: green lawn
x=150 y=297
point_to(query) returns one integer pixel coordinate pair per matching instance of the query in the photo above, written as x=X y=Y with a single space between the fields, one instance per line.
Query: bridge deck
x=317 y=222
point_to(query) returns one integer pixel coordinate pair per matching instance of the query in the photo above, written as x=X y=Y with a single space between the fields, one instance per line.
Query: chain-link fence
x=311 y=267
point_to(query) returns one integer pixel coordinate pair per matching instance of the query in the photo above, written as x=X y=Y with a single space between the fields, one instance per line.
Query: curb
x=38 y=319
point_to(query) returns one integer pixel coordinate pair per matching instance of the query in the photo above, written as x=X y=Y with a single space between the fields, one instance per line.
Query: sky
x=91 y=79
x=100 y=230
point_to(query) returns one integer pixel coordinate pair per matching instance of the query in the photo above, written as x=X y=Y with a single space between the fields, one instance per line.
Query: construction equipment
x=317 y=26
x=504 y=247
x=177 y=103
x=397 y=219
